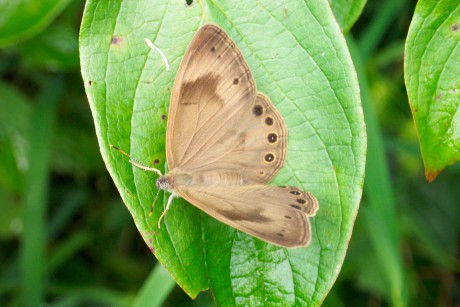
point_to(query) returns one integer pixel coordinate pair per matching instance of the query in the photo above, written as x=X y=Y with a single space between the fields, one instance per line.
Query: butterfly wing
x=216 y=118
x=278 y=215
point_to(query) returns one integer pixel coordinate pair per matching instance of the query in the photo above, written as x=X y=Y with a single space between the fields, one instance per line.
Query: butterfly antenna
x=136 y=162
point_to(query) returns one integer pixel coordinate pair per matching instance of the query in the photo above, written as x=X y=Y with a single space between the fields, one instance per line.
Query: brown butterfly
x=225 y=141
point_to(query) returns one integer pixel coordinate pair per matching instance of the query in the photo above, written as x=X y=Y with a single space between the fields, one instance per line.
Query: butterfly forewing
x=212 y=86
x=273 y=214
x=216 y=119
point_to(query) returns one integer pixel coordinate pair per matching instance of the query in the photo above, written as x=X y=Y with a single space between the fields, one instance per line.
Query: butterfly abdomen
x=207 y=178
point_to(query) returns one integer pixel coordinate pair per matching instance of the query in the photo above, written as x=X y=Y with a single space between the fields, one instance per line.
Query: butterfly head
x=163 y=183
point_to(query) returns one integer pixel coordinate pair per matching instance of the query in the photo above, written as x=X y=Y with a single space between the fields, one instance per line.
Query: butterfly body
x=178 y=178
x=225 y=142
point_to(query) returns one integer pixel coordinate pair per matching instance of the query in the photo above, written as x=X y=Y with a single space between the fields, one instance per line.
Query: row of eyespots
x=258 y=110
x=271 y=137
x=299 y=200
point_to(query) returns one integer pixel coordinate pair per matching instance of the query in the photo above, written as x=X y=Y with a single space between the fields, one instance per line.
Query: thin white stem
x=153 y=47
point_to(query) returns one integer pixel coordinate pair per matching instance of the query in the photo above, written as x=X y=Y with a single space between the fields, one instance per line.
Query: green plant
x=66 y=236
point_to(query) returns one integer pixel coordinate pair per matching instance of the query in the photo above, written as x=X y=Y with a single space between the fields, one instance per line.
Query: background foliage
x=67 y=239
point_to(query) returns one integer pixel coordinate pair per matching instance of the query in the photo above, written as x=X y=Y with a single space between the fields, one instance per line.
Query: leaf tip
x=431 y=175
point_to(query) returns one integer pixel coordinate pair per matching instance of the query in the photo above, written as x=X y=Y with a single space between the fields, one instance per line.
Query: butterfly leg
x=153 y=204
x=166 y=209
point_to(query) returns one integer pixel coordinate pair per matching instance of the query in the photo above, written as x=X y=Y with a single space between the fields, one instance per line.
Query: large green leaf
x=432 y=70
x=301 y=62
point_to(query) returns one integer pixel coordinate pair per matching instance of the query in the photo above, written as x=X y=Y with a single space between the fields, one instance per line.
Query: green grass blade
x=35 y=195
x=380 y=215
x=155 y=289
x=374 y=32
x=71 y=295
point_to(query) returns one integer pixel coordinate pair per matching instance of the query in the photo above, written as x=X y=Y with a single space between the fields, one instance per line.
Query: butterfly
x=225 y=142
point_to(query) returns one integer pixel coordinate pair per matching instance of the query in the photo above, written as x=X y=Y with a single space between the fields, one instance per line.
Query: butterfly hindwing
x=278 y=215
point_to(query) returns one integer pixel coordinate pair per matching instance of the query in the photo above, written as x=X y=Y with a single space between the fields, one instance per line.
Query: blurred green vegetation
x=68 y=240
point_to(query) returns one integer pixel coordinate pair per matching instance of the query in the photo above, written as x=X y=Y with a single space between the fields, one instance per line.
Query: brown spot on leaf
x=116 y=40
x=130 y=194
x=455 y=27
